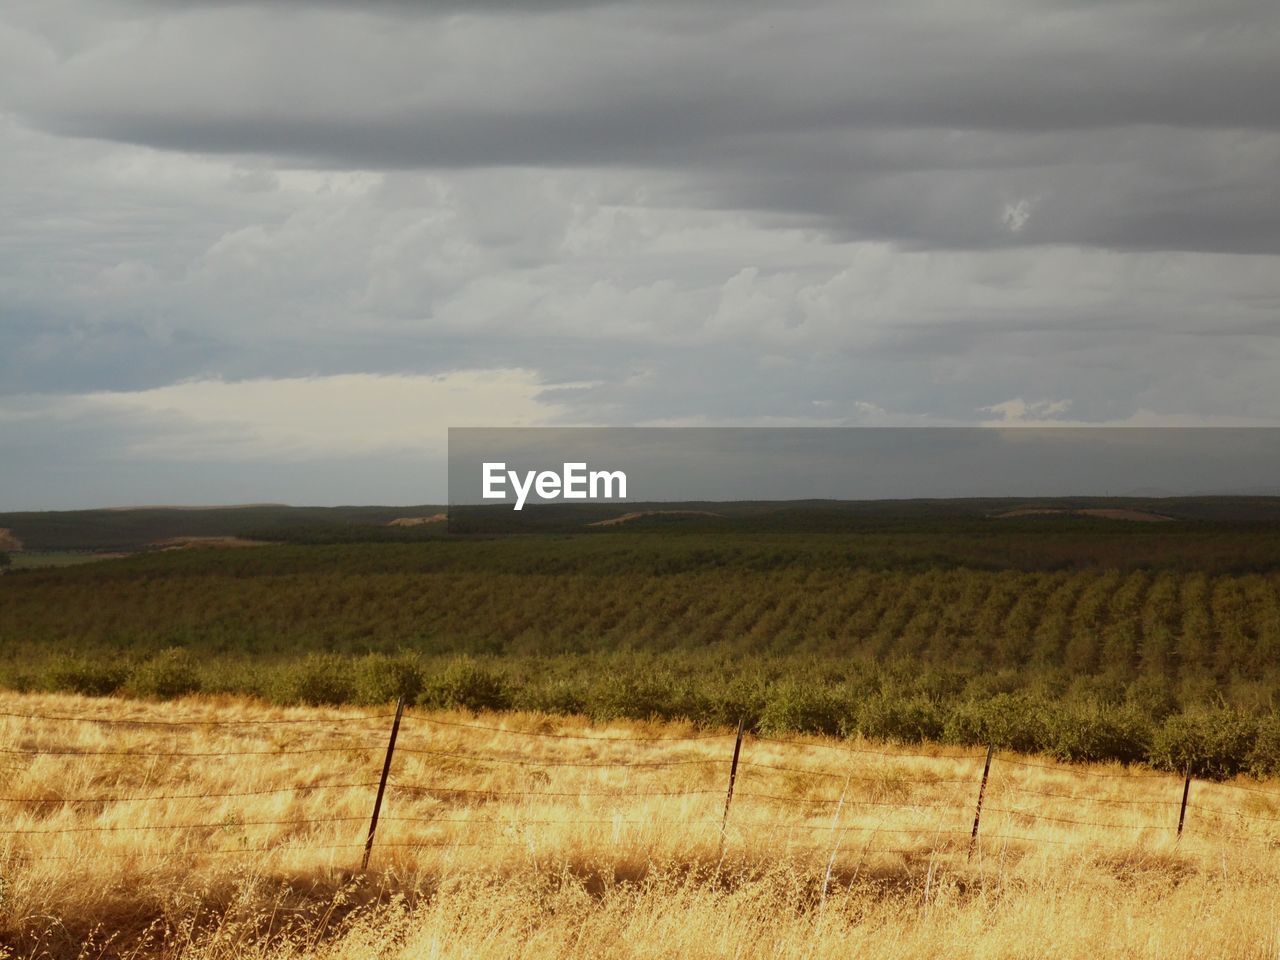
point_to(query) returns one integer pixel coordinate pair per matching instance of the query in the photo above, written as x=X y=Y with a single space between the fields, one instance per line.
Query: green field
x=1087 y=638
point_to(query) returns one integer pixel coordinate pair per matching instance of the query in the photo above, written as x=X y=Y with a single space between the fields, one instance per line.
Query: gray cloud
x=671 y=213
x=1131 y=125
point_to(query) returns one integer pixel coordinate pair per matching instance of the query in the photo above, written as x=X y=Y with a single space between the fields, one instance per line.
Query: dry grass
x=498 y=843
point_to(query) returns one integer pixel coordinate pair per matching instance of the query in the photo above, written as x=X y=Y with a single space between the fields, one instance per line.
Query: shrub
x=87 y=677
x=742 y=698
x=638 y=697
x=805 y=708
x=382 y=679
x=316 y=679
x=1091 y=732
x=561 y=697
x=1009 y=721
x=1153 y=696
x=901 y=719
x=170 y=673
x=1214 y=744
x=1264 y=758
x=468 y=684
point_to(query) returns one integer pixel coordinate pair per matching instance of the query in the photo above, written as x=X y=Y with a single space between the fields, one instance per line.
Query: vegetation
x=1081 y=638
x=134 y=529
x=194 y=840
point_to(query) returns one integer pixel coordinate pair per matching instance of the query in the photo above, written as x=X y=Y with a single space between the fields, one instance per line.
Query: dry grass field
x=208 y=828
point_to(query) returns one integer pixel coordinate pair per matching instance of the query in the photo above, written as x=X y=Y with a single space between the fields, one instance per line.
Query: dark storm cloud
x=218 y=217
x=1128 y=125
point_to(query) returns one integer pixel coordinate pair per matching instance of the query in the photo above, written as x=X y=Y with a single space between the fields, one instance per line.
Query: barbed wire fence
x=977 y=785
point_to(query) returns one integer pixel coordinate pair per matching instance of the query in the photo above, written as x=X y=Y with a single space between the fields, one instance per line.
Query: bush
x=561 y=697
x=469 y=685
x=742 y=698
x=381 y=679
x=637 y=697
x=1091 y=732
x=792 y=706
x=1153 y=697
x=1008 y=721
x=87 y=677
x=1216 y=744
x=318 y=679
x=1264 y=758
x=170 y=673
x=900 y=719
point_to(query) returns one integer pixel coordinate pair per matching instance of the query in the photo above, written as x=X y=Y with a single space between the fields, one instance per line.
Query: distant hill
x=134 y=528
x=138 y=528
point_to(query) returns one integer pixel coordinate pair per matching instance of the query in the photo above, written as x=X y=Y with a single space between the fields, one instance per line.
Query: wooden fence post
x=982 y=789
x=382 y=783
x=733 y=776
x=1182 y=814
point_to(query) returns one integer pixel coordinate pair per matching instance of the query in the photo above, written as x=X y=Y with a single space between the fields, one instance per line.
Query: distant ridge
x=215 y=506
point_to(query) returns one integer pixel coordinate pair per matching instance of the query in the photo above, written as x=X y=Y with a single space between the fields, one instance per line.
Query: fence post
x=1182 y=814
x=382 y=783
x=733 y=775
x=982 y=789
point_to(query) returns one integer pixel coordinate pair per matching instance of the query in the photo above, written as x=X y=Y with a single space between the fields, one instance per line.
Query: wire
x=891 y=755
x=646 y=821
x=116 y=721
x=1059 y=768
x=1075 y=796
x=848 y=802
x=471 y=791
x=1081 y=823
x=185 y=753
x=857 y=828
x=557 y=762
x=222 y=824
x=568 y=736
x=1232 y=813
x=1241 y=786
x=841 y=776
x=236 y=851
x=96 y=855
x=190 y=796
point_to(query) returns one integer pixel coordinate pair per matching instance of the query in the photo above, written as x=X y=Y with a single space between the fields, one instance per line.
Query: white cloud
x=1018 y=410
x=1016 y=215
x=349 y=415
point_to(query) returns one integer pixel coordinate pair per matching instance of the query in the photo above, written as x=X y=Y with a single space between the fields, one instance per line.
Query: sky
x=273 y=251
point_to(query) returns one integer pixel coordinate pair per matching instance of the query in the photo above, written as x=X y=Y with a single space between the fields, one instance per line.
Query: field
x=193 y=738
x=216 y=828
x=1085 y=638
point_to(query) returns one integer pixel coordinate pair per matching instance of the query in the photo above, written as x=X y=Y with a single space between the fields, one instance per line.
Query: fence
x=453 y=790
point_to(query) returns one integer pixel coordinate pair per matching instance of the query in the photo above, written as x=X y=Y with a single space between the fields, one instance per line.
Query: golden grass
x=508 y=842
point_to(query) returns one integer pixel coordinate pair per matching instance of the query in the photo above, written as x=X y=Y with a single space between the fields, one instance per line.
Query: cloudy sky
x=271 y=251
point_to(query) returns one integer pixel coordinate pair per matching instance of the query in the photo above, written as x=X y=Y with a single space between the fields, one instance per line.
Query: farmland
x=1091 y=639
x=192 y=737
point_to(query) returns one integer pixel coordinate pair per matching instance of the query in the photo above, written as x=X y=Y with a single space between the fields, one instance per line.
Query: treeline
x=1080 y=720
